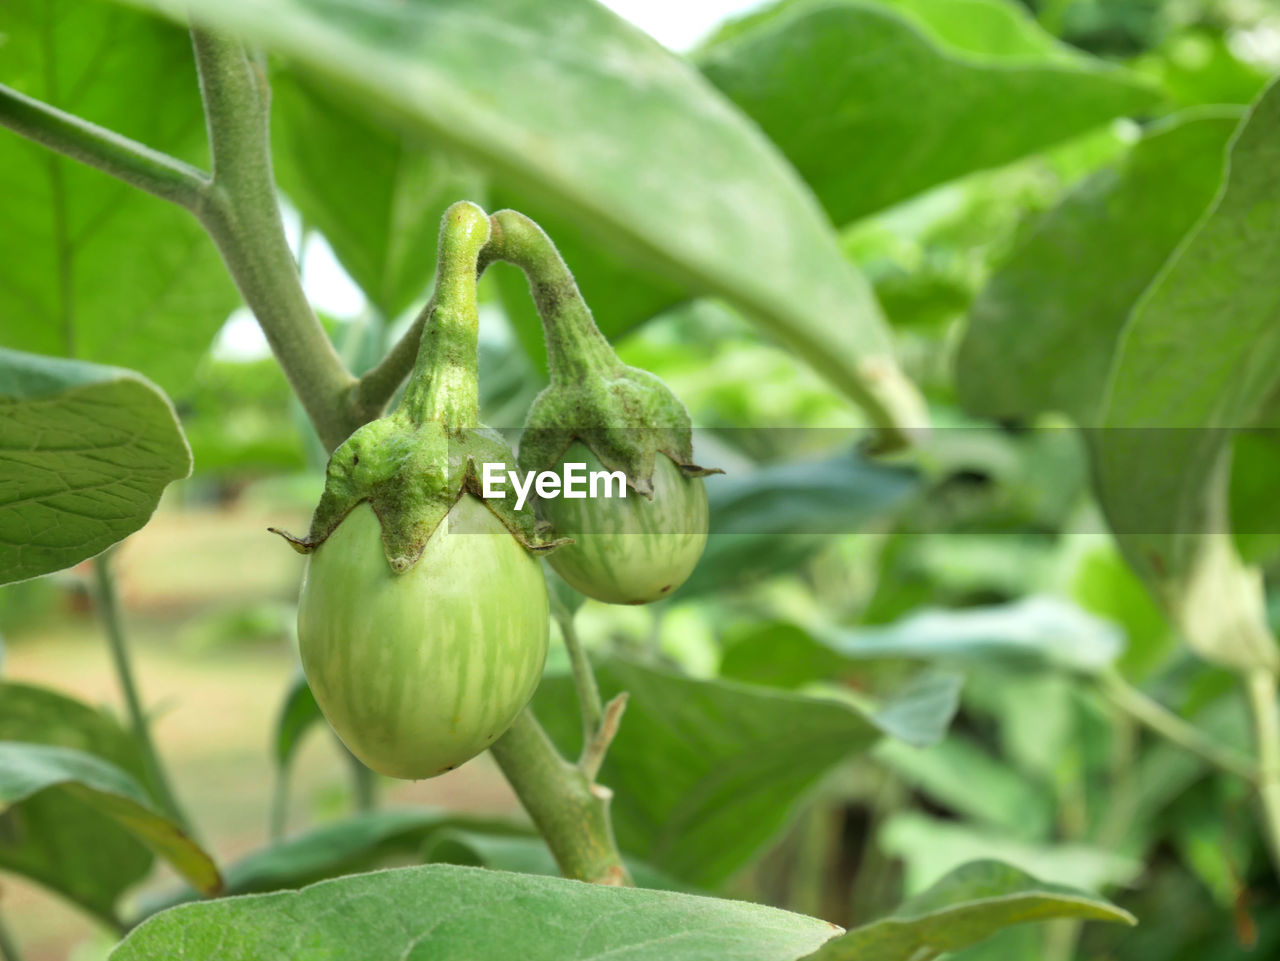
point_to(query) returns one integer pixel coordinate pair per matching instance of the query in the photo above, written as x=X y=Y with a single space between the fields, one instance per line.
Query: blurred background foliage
x=982 y=549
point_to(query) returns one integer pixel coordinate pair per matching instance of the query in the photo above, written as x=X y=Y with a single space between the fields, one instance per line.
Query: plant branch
x=135 y=163
x=1159 y=719
x=1260 y=685
x=570 y=812
x=378 y=384
x=243 y=218
x=584 y=679
x=109 y=611
x=596 y=745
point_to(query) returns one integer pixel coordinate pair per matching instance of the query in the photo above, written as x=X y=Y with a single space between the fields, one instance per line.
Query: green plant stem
x=1159 y=719
x=599 y=721
x=243 y=218
x=9 y=950
x=444 y=386
x=109 y=612
x=364 y=783
x=1260 y=685
x=371 y=392
x=135 y=163
x=575 y=346
x=570 y=812
x=236 y=204
x=584 y=679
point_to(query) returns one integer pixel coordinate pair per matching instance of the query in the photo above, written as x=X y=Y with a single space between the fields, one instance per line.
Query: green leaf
x=298 y=714
x=376 y=195
x=565 y=102
x=1043 y=332
x=1034 y=632
x=920 y=713
x=1162 y=458
x=58 y=840
x=526 y=855
x=931 y=847
x=969 y=905
x=705 y=773
x=872 y=111
x=362 y=842
x=962 y=776
x=91 y=267
x=450 y=913
x=987 y=28
x=87 y=452
x=28 y=769
x=769 y=520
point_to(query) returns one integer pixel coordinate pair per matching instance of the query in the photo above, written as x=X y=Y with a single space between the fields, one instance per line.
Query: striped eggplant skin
x=420 y=671
x=629 y=550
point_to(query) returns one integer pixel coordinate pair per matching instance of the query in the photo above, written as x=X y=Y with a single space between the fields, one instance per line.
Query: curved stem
x=243 y=218
x=109 y=612
x=1260 y=685
x=570 y=812
x=377 y=386
x=444 y=384
x=575 y=346
x=128 y=160
x=1174 y=729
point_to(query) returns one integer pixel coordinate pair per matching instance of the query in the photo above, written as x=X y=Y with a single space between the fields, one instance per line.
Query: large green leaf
x=449 y=913
x=771 y=519
x=704 y=773
x=567 y=103
x=1199 y=358
x=527 y=855
x=375 y=194
x=89 y=266
x=872 y=111
x=87 y=452
x=1033 y=633
x=969 y=905
x=362 y=842
x=64 y=843
x=1043 y=331
x=27 y=770
x=1002 y=29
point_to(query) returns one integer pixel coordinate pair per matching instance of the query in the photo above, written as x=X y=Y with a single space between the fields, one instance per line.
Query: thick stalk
x=243 y=218
x=443 y=386
x=109 y=612
x=570 y=812
x=1260 y=685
